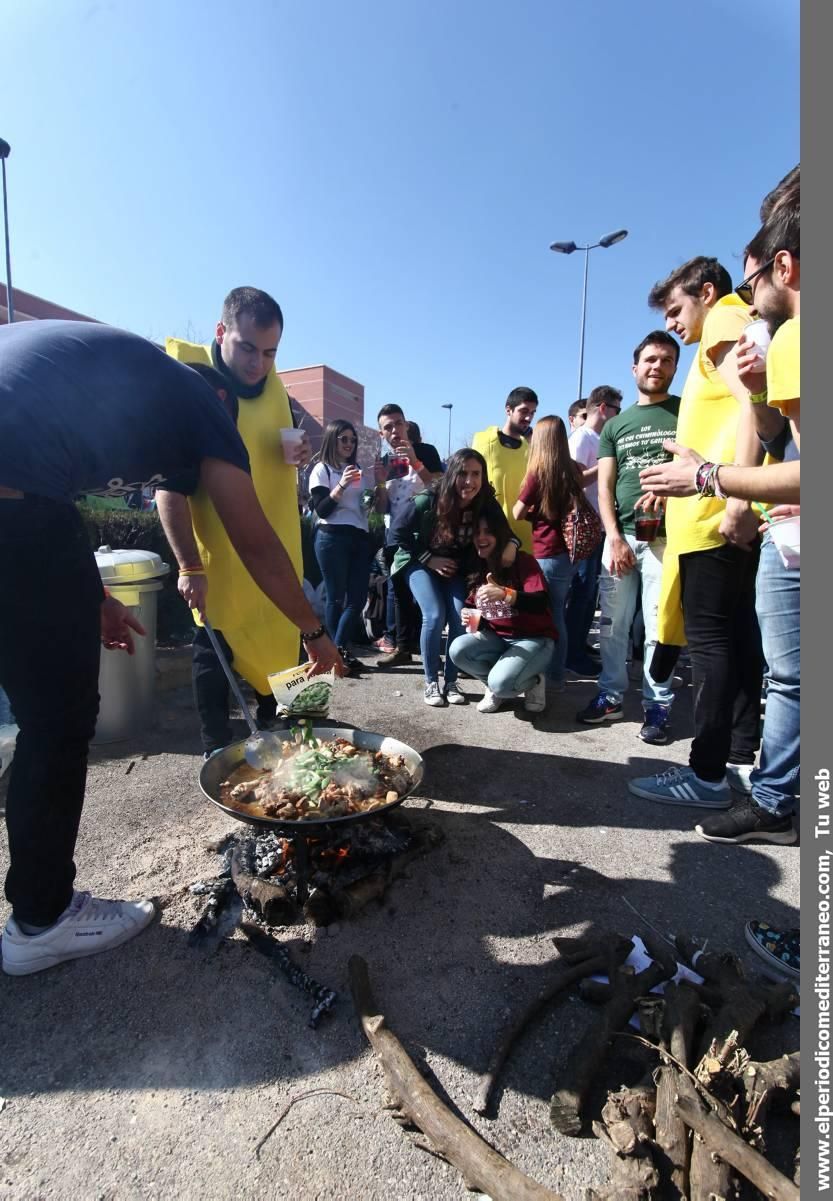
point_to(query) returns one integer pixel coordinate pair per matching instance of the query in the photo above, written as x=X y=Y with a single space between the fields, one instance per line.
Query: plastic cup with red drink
x=647 y=526
x=399 y=466
x=471 y=620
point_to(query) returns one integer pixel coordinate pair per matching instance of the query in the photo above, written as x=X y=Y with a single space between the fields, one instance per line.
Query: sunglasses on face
x=745 y=290
x=347 y=438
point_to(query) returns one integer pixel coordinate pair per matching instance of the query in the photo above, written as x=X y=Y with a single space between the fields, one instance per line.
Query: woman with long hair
x=342 y=541
x=552 y=489
x=433 y=538
x=511 y=637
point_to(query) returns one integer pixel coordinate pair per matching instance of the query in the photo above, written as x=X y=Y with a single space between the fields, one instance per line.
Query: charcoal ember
x=269 y=947
x=219 y=894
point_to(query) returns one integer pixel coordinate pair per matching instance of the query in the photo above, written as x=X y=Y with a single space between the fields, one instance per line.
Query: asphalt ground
x=153 y=1071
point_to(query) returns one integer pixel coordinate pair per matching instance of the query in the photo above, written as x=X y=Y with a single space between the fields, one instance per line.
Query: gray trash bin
x=126 y=682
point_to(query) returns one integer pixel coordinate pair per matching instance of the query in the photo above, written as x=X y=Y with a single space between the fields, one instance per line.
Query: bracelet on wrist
x=418 y=466
x=759 y=398
x=192 y=571
x=718 y=491
x=510 y=595
x=313 y=635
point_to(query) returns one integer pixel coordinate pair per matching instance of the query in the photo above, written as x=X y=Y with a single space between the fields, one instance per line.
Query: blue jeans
x=509 y=666
x=558 y=573
x=617 y=601
x=581 y=606
x=343 y=554
x=778 y=604
x=440 y=600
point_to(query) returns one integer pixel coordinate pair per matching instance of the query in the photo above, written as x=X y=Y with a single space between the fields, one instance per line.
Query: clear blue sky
x=393 y=173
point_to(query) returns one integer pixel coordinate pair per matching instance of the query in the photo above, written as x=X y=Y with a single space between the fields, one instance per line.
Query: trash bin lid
x=128 y=566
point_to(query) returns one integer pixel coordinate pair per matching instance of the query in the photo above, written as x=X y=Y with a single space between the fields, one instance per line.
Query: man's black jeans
x=727 y=663
x=211 y=693
x=50 y=643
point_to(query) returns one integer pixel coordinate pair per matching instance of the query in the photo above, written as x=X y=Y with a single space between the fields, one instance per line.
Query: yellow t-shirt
x=783 y=367
x=707 y=423
x=507 y=472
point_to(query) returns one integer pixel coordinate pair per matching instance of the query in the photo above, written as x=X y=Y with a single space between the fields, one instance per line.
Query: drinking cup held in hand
x=471 y=620
x=757 y=332
x=399 y=466
x=647 y=527
x=291 y=442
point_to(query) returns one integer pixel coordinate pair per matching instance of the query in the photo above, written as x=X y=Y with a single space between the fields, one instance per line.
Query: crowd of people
x=656 y=513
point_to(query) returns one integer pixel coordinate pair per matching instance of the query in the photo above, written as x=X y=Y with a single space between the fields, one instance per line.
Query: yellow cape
x=262 y=639
x=507 y=472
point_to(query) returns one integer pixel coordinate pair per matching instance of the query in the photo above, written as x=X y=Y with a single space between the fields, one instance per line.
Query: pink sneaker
x=385 y=646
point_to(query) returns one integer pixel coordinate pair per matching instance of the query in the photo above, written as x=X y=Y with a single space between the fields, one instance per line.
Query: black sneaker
x=600 y=709
x=748 y=822
x=655 y=727
x=585 y=668
x=353 y=665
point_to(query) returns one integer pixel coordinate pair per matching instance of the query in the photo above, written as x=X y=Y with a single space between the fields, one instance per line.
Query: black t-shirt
x=89 y=408
x=427 y=455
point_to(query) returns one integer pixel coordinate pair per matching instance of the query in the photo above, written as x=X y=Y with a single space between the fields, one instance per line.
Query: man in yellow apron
x=212 y=578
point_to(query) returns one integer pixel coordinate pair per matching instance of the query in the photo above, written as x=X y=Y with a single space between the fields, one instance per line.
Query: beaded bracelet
x=703 y=479
x=718 y=491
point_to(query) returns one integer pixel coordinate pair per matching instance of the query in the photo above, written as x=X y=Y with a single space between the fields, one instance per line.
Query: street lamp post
x=449 y=407
x=568 y=248
x=5 y=151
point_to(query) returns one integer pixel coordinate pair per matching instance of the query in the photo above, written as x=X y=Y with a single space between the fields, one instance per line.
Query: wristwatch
x=313 y=635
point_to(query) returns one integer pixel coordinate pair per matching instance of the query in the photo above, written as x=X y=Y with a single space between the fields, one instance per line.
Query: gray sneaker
x=454 y=696
x=433 y=696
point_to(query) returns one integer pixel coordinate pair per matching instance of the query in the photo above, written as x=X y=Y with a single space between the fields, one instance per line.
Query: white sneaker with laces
x=89 y=925
x=490 y=702
x=454 y=696
x=433 y=696
x=535 y=698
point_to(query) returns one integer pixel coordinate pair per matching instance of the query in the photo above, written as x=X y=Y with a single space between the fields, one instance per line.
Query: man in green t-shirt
x=635 y=541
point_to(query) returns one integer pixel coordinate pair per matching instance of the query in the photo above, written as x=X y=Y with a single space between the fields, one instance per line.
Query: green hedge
x=124 y=529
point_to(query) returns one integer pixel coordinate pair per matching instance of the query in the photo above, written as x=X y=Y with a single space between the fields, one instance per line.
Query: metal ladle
x=263 y=749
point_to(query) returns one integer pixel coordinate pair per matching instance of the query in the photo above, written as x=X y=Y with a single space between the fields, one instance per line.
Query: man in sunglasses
x=711 y=559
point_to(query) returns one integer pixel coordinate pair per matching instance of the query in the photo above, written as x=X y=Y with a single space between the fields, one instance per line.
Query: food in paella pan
x=318 y=780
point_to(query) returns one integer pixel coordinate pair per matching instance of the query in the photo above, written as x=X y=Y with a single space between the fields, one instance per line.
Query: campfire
x=323 y=878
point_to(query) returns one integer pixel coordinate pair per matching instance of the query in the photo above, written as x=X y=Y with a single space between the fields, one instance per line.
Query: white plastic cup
x=757 y=332
x=786 y=534
x=291 y=442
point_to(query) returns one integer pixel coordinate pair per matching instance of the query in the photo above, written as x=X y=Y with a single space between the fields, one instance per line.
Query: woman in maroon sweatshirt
x=511 y=633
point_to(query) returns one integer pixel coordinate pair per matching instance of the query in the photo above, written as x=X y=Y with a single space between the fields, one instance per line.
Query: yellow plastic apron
x=262 y=639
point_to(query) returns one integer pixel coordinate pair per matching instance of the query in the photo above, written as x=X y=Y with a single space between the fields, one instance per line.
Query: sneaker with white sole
x=779 y=949
x=601 y=708
x=748 y=822
x=535 y=698
x=739 y=777
x=454 y=696
x=89 y=925
x=490 y=702
x=681 y=786
x=433 y=696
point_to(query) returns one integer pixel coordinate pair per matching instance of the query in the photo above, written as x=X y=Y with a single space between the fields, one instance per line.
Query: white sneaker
x=739 y=777
x=433 y=696
x=454 y=696
x=490 y=702
x=87 y=926
x=535 y=698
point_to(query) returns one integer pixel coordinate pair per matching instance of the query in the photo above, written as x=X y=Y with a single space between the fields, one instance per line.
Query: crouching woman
x=511 y=633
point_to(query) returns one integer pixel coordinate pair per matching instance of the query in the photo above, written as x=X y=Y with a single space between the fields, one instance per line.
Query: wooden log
x=627 y=1128
x=565 y=976
x=588 y=1055
x=267 y=898
x=723 y=1143
x=481 y=1166
x=762 y=1083
x=682 y=1008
